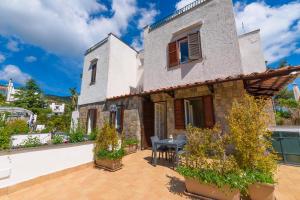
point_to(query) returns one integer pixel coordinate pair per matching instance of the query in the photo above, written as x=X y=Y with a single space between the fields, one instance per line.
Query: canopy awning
x=266 y=83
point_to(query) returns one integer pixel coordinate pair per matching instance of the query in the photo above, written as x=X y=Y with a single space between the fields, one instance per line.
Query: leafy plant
x=111 y=155
x=93 y=135
x=76 y=135
x=248 y=122
x=130 y=141
x=57 y=139
x=107 y=143
x=31 y=142
x=18 y=126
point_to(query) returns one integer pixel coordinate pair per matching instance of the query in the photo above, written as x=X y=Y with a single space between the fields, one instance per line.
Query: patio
x=137 y=180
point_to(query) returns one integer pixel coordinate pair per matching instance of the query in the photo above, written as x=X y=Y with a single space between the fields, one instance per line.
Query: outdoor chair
x=160 y=149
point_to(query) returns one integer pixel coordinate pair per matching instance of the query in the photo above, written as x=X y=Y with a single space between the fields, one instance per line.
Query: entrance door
x=92 y=120
x=148 y=122
x=161 y=120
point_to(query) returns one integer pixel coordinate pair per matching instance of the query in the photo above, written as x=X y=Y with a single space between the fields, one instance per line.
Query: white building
x=57 y=109
x=193 y=66
x=11 y=91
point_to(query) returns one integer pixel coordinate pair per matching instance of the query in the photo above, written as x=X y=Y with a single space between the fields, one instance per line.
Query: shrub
x=107 y=144
x=4 y=138
x=111 y=155
x=18 y=126
x=130 y=141
x=248 y=122
x=57 y=139
x=76 y=135
x=31 y=142
x=93 y=135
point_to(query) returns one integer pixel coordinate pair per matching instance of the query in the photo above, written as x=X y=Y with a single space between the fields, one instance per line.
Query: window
x=116 y=118
x=94 y=72
x=198 y=112
x=183 y=51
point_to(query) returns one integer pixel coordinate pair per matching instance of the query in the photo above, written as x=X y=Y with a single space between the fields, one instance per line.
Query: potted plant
x=208 y=172
x=108 y=151
x=130 y=145
x=248 y=123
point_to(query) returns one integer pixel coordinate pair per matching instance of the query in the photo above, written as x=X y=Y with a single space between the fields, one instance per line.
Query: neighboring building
x=9 y=91
x=191 y=69
x=57 y=109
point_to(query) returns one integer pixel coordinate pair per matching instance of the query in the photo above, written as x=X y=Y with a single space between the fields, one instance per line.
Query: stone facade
x=223 y=96
x=132 y=115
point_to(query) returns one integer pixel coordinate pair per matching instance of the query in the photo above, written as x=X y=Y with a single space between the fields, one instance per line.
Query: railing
x=176 y=14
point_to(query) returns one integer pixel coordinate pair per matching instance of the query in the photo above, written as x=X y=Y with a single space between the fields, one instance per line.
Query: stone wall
x=223 y=96
x=132 y=115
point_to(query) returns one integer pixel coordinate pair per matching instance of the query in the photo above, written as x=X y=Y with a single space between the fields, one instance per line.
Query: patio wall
x=21 y=165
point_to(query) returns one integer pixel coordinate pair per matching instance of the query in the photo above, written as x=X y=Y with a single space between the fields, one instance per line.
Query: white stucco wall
x=122 y=71
x=251 y=52
x=18 y=167
x=221 y=55
x=97 y=92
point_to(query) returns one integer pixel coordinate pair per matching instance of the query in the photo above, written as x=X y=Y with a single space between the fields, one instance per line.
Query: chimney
x=296 y=92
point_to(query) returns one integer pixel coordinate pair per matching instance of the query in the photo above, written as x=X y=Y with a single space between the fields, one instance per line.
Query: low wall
x=18 y=140
x=18 y=166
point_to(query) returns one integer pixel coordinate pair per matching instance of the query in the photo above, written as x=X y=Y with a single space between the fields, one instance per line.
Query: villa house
x=191 y=69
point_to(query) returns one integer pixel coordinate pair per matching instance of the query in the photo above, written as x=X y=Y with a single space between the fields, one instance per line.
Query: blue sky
x=46 y=39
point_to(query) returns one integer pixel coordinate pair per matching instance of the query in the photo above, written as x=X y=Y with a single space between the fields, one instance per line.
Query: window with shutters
x=198 y=112
x=93 y=73
x=185 y=49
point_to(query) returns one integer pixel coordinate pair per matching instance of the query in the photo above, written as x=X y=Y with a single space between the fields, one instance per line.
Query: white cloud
x=183 y=3
x=147 y=16
x=64 y=27
x=2 y=58
x=280 y=26
x=13 y=72
x=137 y=43
x=297 y=51
x=13 y=45
x=30 y=59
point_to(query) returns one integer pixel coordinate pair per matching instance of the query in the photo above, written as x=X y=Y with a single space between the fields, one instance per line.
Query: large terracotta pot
x=130 y=149
x=195 y=187
x=260 y=191
x=110 y=165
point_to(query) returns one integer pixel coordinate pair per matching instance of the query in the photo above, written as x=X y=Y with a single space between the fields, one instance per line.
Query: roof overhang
x=266 y=83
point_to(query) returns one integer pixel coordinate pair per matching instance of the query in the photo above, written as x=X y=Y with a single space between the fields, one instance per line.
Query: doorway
x=160 y=120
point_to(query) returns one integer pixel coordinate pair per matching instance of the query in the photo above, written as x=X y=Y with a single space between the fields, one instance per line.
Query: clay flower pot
x=110 y=165
x=260 y=191
x=129 y=149
x=196 y=188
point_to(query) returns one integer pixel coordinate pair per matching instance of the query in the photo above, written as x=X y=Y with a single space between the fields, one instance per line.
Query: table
x=169 y=143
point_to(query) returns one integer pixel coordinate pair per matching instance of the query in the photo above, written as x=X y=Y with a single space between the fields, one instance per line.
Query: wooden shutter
x=121 y=118
x=179 y=114
x=173 y=54
x=94 y=119
x=194 y=43
x=209 y=118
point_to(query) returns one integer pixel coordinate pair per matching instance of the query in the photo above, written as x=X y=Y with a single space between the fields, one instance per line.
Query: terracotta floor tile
x=137 y=180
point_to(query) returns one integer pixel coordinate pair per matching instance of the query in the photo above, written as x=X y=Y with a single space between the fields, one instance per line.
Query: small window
x=183 y=51
x=194 y=113
x=116 y=118
x=94 y=72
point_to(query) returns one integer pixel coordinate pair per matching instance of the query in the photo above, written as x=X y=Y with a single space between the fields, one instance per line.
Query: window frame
x=93 y=68
x=179 y=42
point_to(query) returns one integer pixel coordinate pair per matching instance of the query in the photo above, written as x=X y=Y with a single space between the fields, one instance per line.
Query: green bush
x=4 y=138
x=107 y=143
x=57 y=139
x=130 y=141
x=111 y=155
x=31 y=142
x=76 y=135
x=18 y=126
x=93 y=135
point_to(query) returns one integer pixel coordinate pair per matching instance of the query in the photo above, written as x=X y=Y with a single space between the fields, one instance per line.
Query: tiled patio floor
x=137 y=180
